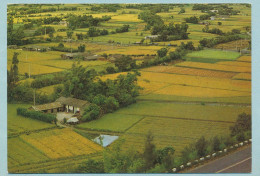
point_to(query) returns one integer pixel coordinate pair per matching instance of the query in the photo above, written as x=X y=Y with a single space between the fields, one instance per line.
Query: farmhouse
x=63 y=23
x=151 y=37
x=63 y=104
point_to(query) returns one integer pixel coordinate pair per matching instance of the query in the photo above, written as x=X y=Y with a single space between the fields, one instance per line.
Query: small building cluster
x=83 y=56
x=63 y=104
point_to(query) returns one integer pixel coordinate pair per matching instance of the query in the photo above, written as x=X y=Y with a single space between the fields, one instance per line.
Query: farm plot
x=243 y=76
x=244 y=59
x=235 y=63
x=21 y=152
x=184 y=110
x=218 y=67
x=33 y=56
x=177 y=98
x=191 y=91
x=64 y=143
x=189 y=71
x=48 y=90
x=214 y=54
x=234 y=45
x=66 y=64
x=34 y=69
x=17 y=124
x=188 y=80
x=117 y=122
x=177 y=133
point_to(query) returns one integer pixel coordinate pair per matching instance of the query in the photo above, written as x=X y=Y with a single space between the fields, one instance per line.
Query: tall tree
x=149 y=152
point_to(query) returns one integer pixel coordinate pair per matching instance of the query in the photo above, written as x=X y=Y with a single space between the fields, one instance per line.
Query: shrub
x=36 y=115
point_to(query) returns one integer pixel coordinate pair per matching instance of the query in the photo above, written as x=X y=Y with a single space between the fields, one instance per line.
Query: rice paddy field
x=202 y=95
x=36 y=148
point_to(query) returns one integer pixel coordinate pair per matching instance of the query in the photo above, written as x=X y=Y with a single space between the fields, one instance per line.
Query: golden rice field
x=34 y=69
x=217 y=83
x=243 y=76
x=126 y=18
x=191 y=91
x=244 y=59
x=218 y=67
x=233 y=45
x=189 y=71
x=66 y=64
x=235 y=63
x=61 y=143
x=20 y=152
x=136 y=50
x=48 y=89
x=150 y=87
x=189 y=80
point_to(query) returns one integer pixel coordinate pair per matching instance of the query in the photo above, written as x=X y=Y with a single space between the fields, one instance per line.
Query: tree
x=162 y=52
x=216 y=144
x=69 y=34
x=124 y=63
x=81 y=48
x=201 y=146
x=219 y=23
x=91 y=166
x=92 y=112
x=14 y=66
x=110 y=69
x=243 y=124
x=149 y=152
x=165 y=157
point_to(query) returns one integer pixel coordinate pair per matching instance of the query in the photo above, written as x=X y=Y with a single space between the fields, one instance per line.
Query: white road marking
x=233 y=165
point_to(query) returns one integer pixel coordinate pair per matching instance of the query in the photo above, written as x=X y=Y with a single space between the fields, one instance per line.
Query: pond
x=105 y=140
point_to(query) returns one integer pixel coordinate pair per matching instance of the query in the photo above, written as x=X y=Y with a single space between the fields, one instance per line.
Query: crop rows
x=64 y=143
x=244 y=59
x=191 y=91
x=190 y=71
x=243 y=76
x=217 y=67
x=21 y=152
x=235 y=63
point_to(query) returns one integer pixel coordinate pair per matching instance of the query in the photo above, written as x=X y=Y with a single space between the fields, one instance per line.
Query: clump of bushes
x=50 y=118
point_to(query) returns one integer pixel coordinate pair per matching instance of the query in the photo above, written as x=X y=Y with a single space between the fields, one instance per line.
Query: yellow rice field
x=35 y=69
x=126 y=18
x=136 y=50
x=149 y=79
x=218 y=67
x=61 y=143
x=244 y=59
x=191 y=91
x=243 y=76
x=235 y=63
x=190 y=71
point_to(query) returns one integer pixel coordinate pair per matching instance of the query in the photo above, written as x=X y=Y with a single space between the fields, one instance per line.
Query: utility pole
x=34 y=97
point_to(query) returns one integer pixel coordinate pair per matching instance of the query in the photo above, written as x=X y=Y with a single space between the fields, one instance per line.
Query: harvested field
x=64 y=143
x=243 y=76
x=217 y=67
x=191 y=91
x=189 y=71
x=244 y=59
x=235 y=63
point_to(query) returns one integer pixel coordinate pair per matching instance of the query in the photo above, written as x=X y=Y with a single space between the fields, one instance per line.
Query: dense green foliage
x=242 y=124
x=50 y=118
x=47 y=80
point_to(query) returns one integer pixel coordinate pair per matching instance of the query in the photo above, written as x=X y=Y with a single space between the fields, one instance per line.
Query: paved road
x=238 y=162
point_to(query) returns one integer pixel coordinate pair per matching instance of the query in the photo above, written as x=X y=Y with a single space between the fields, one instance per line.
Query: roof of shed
x=47 y=106
x=72 y=101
